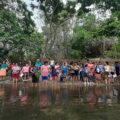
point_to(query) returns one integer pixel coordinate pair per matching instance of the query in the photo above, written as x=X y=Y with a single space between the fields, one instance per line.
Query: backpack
x=86 y=70
x=97 y=69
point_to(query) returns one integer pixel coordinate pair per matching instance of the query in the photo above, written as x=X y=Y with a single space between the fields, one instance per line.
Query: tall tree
x=17 y=33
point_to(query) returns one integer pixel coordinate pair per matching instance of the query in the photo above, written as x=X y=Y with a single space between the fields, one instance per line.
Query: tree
x=18 y=37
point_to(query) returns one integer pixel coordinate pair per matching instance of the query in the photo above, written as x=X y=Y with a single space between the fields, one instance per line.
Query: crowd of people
x=87 y=72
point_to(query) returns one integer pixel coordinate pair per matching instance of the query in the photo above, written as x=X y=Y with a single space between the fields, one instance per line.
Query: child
x=98 y=74
x=53 y=73
x=64 y=72
x=15 y=73
x=82 y=73
x=57 y=67
x=91 y=76
x=25 y=71
x=35 y=77
x=45 y=72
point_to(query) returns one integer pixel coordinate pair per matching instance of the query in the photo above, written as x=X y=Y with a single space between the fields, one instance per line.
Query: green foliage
x=89 y=38
x=83 y=35
x=110 y=27
x=19 y=34
x=115 y=50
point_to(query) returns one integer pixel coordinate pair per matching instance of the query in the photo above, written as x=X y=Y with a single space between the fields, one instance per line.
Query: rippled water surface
x=63 y=102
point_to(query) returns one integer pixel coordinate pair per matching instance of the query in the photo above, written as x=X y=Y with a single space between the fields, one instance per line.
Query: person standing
x=97 y=73
x=57 y=68
x=64 y=72
x=76 y=71
x=38 y=64
x=3 y=70
x=107 y=72
x=91 y=69
x=82 y=71
x=45 y=70
x=112 y=67
x=117 y=68
x=16 y=73
x=35 y=77
x=53 y=73
x=71 y=71
x=25 y=71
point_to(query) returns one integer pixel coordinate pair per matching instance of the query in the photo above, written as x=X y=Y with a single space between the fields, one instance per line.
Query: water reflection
x=61 y=101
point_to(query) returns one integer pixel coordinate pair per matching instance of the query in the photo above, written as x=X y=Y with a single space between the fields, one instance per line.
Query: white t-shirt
x=52 y=62
x=107 y=68
x=15 y=69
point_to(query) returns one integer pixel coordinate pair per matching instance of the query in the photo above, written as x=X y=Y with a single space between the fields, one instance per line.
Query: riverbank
x=57 y=83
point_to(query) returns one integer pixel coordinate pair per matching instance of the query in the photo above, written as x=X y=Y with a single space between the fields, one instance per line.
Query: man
x=117 y=68
x=38 y=64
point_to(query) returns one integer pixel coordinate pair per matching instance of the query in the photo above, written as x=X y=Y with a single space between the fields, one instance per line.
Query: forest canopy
x=72 y=29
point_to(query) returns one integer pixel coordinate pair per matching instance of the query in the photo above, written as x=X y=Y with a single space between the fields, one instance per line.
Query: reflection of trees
x=2 y=92
x=62 y=104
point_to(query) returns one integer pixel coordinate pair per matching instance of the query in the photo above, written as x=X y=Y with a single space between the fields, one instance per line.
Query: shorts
x=44 y=78
x=91 y=77
x=64 y=75
x=112 y=73
x=54 y=77
x=97 y=76
x=15 y=75
x=71 y=74
x=106 y=73
x=2 y=73
x=85 y=74
x=76 y=72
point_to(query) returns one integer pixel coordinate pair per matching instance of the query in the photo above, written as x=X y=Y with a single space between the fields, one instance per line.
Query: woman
x=97 y=74
x=107 y=72
x=57 y=68
x=15 y=73
x=64 y=72
x=3 y=69
x=82 y=71
x=117 y=68
x=71 y=71
x=45 y=71
x=53 y=73
x=76 y=71
x=35 y=77
x=91 y=68
x=85 y=74
x=25 y=71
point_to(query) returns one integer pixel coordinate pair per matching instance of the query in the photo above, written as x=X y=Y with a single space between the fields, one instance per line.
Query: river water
x=62 y=102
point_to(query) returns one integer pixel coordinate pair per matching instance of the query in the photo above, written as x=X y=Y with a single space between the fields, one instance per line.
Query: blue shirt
x=38 y=64
x=64 y=69
x=4 y=66
x=101 y=67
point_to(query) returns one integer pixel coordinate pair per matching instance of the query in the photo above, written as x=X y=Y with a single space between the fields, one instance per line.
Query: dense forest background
x=73 y=29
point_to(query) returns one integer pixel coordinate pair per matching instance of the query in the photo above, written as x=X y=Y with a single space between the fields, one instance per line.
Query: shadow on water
x=24 y=102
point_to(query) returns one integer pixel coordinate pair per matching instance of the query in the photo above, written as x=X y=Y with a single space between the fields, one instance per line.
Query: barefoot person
x=107 y=73
x=64 y=72
x=53 y=73
x=3 y=69
x=35 y=77
x=45 y=70
x=15 y=73
x=26 y=70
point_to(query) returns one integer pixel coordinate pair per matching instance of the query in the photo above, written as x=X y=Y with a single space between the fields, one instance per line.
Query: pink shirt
x=57 y=67
x=90 y=68
x=44 y=70
x=26 y=69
